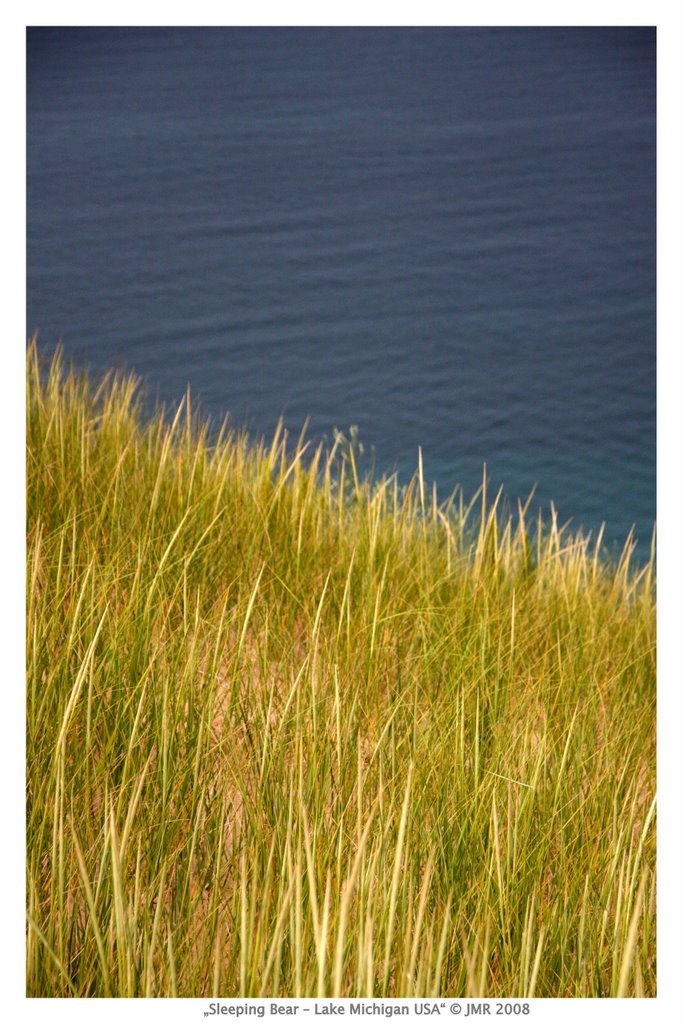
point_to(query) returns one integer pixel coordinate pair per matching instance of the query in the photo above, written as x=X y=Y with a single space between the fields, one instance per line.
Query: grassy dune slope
x=290 y=734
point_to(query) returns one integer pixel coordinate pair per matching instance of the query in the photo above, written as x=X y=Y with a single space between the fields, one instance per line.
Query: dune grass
x=290 y=733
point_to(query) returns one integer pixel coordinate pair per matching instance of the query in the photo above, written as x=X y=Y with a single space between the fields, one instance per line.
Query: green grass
x=290 y=733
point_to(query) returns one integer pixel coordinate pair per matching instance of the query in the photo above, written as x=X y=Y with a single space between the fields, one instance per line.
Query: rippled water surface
x=446 y=237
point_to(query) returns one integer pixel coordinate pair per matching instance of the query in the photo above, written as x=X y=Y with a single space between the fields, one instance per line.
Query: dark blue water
x=444 y=236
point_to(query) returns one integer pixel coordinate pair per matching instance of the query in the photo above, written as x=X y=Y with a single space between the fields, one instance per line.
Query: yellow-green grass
x=290 y=733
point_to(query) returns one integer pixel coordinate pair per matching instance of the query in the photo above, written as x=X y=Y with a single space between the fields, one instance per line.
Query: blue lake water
x=444 y=236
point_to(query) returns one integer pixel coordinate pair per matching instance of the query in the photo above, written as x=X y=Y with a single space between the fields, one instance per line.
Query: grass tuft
x=291 y=732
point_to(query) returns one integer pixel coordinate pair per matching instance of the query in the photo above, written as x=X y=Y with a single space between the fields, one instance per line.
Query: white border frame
x=666 y=16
